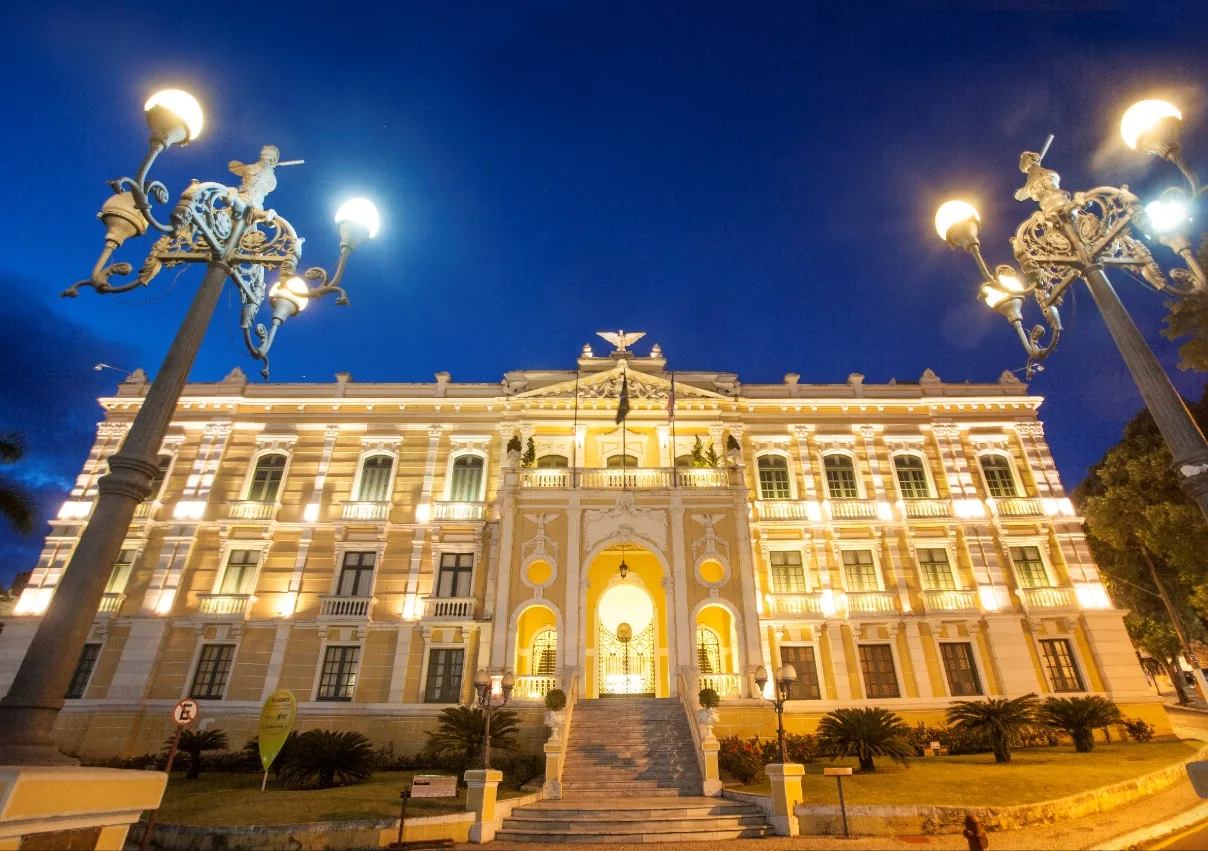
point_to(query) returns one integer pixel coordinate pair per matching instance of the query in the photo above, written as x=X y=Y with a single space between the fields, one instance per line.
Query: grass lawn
x=1035 y=774
x=227 y=799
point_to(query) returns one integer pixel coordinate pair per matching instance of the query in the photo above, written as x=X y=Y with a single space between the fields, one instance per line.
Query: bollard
x=975 y=834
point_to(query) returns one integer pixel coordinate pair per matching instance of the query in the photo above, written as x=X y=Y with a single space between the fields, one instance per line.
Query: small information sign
x=836 y=772
x=185 y=711
x=433 y=786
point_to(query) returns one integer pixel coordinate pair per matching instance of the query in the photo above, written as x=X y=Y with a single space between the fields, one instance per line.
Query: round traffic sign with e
x=185 y=711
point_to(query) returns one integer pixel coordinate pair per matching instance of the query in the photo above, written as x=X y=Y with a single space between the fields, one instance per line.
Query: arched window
x=622 y=461
x=774 y=477
x=840 y=477
x=999 y=479
x=684 y=460
x=266 y=480
x=465 y=482
x=553 y=461
x=912 y=477
x=163 y=463
x=375 y=478
x=545 y=653
x=708 y=651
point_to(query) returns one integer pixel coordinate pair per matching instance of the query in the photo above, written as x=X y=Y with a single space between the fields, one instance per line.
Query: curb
x=1155 y=831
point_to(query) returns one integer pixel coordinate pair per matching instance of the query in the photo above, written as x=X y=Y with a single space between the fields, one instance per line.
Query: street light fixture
x=228 y=230
x=1075 y=237
x=486 y=697
x=785 y=677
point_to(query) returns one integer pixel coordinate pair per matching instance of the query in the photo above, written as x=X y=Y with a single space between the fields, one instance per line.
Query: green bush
x=519 y=769
x=321 y=758
x=457 y=741
x=1038 y=736
x=709 y=699
x=139 y=763
x=742 y=759
x=1079 y=717
x=555 y=699
x=865 y=733
x=385 y=759
x=1138 y=730
x=802 y=747
x=998 y=720
x=251 y=754
x=193 y=742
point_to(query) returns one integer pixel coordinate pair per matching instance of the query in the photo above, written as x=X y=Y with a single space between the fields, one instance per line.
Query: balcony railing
x=795 y=604
x=726 y=685
x=1017 y=506
x=637 y=478
x=1048 y=598
x=871 y=601
x=534 y=687
x=225 y=605
x=788 y=509
x=927 y=508
x=250 y=509
x=950 y=601
x=852 y=509
x=365 y=510
x=145 y=510
x=449 y=608
x=457 y=510
x=110 y=604
x=334 y=607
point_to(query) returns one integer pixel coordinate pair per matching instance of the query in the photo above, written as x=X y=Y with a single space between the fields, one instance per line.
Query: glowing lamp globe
x=358 y=220
x=1145 y=125
x=1010 y=283
x=1166 y=216
x=956 y=222
x=294 y=290
x=174 y=116
x=993 y=296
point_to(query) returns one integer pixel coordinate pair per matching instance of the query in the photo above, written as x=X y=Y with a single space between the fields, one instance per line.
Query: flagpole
x=574 y=440
x=671 y=416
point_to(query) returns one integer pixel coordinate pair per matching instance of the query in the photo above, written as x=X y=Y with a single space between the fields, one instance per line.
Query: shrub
x=520 y=769
x=709 y=699
x=1038 y=736
x=193 y=742
x=865 y=733
x=555 y=699
x=251 y=754
x=140 y=763
x=514 y=444
x=1138 y=730
x=999 y=720
x=459 y=736
x=385 y=759
x=742 y=759
x=321 y=758
x=1079 y=717
x=802 y=747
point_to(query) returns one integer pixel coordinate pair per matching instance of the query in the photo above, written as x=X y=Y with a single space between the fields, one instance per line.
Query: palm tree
x=1079 y=717
x=15 y=504
x=319 y=758
x=194 y=742
x=865 y=733
x=1000 y=720
x=462 y=729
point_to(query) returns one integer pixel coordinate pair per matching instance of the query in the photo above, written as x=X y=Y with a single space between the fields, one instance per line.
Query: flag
x=623 y=407
x=671 y=399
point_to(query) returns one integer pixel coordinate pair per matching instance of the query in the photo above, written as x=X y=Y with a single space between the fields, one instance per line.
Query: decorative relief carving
x=1030 y=429
x=710 y=544
x=946 y=430
x=625 y=520
x=541 y=546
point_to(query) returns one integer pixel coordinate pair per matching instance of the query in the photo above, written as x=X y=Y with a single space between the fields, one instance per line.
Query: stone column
x=786 y=795
x=573 y=617
x=918 y=659
x=1012 y=655
x=838 y=655
x=502 y=615
x=681 y=641
x=412 y=609
x=483 y=785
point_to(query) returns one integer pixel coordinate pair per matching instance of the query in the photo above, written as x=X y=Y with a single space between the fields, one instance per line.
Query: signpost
x=839 y=774
x=424 y=786
x=276 y=723
x=183 y=714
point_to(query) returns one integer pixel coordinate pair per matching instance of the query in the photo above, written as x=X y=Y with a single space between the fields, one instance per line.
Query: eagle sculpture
x=620 y=339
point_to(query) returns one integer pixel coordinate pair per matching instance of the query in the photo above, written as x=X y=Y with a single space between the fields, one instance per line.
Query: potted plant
x=733 y=450
x=514 y=450
x=708 y=714
x=529 y=459
x=555 y=716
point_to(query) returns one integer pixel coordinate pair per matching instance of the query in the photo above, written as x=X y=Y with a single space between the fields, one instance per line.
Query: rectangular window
x=456 y=571
x=802 y=659
x=239 y=577
x=375 y=478
x=465 y=484
x=338 y=679
x=444 y=676
x=787 y=575
x=1000 y=481
x=121 y=573
x=935 y=570
x=356 y=575
x=860 y=571
x=1059 y=662
x=962 y=673
x=774 y=478
x=1029 y=567
x=83 y=671
x=213 y=671
x=266 y=480
x=880 y=678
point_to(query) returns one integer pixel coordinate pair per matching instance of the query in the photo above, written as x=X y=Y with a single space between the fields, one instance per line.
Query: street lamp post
x=1077 y=236
x=785 y=677
x=229 y=231
x=486 y=699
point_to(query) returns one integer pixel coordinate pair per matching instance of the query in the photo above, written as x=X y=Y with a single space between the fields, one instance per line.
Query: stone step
x=562 y=837
x=586 y=795
x=565 y=825
x=636 y=810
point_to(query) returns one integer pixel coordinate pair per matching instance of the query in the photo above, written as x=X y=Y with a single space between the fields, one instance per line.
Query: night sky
x=752 y=186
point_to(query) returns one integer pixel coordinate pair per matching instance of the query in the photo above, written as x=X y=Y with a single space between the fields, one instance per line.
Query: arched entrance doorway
x=627 y=625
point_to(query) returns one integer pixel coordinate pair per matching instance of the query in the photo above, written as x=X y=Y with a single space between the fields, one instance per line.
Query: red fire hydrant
x=976 y=834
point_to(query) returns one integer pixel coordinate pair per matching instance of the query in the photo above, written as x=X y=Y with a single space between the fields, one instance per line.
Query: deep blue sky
x=752 y=186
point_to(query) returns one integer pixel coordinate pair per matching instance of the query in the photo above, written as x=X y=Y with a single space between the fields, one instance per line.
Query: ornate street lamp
x=1077 y=236
x=785 y=677
x=228 y=230
x=486 y=698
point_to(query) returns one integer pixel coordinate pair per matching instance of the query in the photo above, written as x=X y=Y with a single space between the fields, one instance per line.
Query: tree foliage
x=1187 y=320
x=321 y=758
x=704 y=456
x=193 y=742
x=1001 y=721
x=865 y=733
x=1080 y=717
x=15 y=504
x=461 y=730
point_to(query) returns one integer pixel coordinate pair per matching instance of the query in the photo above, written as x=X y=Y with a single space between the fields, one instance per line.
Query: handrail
x=687 y=699
x=571 y=693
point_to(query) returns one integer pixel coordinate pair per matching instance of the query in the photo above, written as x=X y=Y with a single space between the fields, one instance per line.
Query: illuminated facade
x=369 y=546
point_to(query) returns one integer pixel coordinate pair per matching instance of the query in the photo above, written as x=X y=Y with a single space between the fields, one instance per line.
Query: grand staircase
x=631 y=775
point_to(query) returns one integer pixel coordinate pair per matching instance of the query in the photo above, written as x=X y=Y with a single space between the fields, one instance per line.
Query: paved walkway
x=1067 y=836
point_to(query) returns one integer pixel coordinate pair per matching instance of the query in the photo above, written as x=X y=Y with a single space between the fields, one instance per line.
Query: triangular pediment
x=607 y=385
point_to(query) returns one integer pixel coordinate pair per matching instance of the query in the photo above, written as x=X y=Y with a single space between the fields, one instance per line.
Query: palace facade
x=371 y=546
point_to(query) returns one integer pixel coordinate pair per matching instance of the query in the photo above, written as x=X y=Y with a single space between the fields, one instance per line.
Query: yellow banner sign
x=276 y=722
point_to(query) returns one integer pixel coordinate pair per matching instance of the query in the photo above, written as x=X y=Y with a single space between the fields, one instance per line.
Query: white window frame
x=482 y=483
x=343 y=547
x=371 y=451
x=201 y=643
x=1020 y=491
x=855 y=465
x=224 y=556
x=945 y=544
x=818 y=670
x=1042 y=546
x=171 y=446
x=551 y=444
x=92 y=673
x=465 y=665
x=972 y=641
x=922 y=456
x=610 y=444
x=137 y=545
x=892 y=644
x=438 y=553
x=805 y=564
x=359 y=640
x=781 y=453
x=250 y=475
x=868 y=546
x=1071 y=639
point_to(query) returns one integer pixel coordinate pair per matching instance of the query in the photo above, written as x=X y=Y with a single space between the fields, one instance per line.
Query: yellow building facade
x=369 y=546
